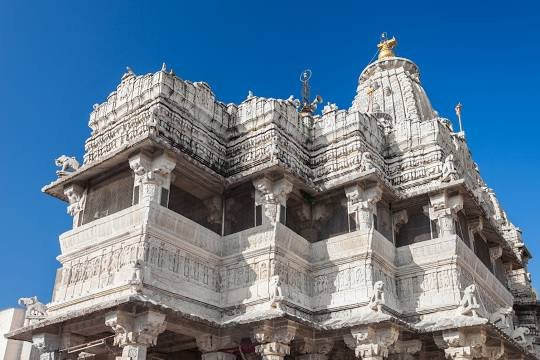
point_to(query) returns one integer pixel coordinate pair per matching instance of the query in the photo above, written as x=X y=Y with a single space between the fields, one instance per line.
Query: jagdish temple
x=273 y=230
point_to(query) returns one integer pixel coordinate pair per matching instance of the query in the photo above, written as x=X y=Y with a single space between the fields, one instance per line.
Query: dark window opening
x=417 y=229
x=282 y=214
x=352 y=221
x=109 y=196
x=240 y=211
x=258 y=215
x=164 y=201
x=191 y=207
x=481 y=250
x=136 y=191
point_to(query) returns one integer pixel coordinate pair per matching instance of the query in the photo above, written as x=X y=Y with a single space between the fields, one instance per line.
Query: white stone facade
x=213 y=231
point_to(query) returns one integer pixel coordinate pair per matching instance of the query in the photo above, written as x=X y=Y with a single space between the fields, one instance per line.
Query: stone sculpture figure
x=66 y=164
x=519 y=335
x=502 y=318
x=34 y=308
x=449 y=172
x=366 y=162
x=469 y=304
x=276 y=295
x=376 y=301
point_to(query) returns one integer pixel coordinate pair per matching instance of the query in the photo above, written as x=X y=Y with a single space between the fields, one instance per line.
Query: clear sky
x=58 y=58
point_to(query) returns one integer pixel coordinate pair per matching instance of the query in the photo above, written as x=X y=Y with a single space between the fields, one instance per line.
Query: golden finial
x=386 y=46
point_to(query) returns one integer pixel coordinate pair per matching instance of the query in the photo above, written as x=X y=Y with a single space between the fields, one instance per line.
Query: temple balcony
x=153 y=251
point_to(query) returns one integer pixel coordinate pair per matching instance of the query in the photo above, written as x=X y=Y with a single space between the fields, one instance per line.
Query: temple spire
x=386 y=47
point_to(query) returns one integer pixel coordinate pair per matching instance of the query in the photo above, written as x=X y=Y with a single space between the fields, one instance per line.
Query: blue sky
x=57 y=58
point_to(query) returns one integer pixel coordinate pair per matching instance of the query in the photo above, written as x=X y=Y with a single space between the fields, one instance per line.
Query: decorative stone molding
x=371 y=342
x=271 y=195
x=362 y=205
x=151 y=175
x=135 y=333
x=47 y=346
x=444 y=209
x=273 y=341
x=76 y=197
x=462 y=343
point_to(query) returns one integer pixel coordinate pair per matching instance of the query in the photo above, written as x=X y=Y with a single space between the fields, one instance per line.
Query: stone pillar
x=406 y=350
x=272 y=197
x=370 y=342
x=462 y=344
x=210 y=346
x=444 y=209
x=152 y=178
x=135 y=333
x=311 y=349
x=361 y=206
x=48 y=346
x=274 y=342
x=76 y=197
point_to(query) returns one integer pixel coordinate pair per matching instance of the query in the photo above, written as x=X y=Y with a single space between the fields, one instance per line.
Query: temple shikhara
x=272 y=230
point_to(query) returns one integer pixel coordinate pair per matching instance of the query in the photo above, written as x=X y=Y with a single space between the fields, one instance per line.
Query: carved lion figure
x=276 y=294
x=469 y=304
x=66 y=164
x=34 y=308
x=376 y=301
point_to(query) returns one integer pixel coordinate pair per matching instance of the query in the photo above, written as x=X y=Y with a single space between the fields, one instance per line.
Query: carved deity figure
x=469 y=304
x=34 y=308
x=449 y=172
x=376 y=301
x=276 y=295
x=66 y=164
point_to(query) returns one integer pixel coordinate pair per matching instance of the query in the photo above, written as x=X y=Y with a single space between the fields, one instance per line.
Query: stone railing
x=432 y=275
x=114 y=226
x=183 y=230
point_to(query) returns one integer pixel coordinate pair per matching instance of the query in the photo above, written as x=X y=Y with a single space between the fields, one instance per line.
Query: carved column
x=462 y=344
x=76 y=197
x=362 y=205
x=135 y=333
x=272 y=197
x=210 y=346
x=152 y=178
x=311 y=349
x=371 y=342
x=47 y=346
x=274 y=342
x=444 y=209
